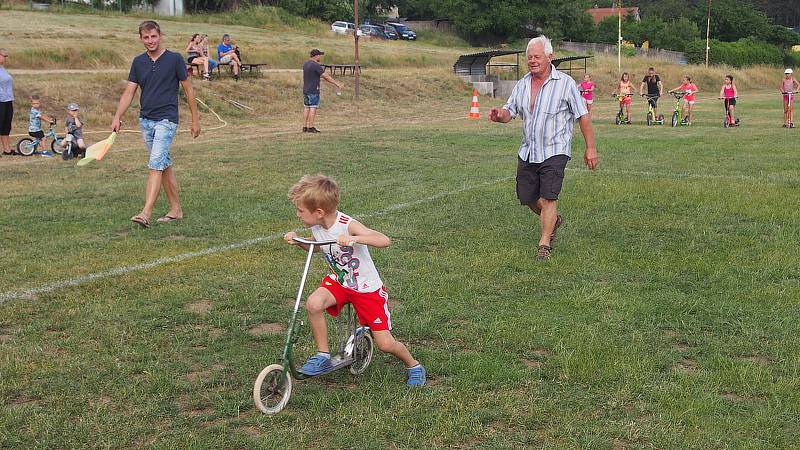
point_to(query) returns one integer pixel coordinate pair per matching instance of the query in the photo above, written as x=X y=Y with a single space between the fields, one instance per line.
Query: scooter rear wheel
x=272 y=389
x=362 y=353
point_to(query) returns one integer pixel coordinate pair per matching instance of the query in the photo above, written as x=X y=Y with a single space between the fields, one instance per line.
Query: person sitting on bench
x=226 y=51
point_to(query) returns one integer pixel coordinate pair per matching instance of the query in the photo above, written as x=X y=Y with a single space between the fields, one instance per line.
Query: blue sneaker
x=417 y=376
x=317 y=365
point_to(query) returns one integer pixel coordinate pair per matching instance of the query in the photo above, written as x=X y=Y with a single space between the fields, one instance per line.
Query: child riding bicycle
x=729 y=93
x=625 y=90
x=688 y=100
x=353 y=277
x=35 y=120
x=789 y=86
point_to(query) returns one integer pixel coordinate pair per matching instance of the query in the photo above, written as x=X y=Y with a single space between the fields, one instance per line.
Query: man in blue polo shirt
x=158 y=72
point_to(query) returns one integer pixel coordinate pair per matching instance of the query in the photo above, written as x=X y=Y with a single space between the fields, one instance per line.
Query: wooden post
x=619 y=37
x=357 y=69
x=708 y=32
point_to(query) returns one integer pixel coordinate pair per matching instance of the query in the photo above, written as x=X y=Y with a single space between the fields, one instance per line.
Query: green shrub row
x=744 y=52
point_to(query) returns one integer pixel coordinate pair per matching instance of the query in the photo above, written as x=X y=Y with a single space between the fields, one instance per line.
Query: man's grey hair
x=548 y=46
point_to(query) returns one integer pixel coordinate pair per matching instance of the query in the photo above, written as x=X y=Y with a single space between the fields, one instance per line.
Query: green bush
x=744 y=52
x=792 y=59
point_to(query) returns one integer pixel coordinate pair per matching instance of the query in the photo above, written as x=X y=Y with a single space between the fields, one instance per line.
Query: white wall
x=169 y=7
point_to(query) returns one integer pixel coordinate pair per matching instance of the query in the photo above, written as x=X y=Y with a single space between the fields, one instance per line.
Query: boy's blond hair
x=315 y=192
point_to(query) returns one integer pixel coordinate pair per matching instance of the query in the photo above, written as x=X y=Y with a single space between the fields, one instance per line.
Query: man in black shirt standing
x=654 y=89
x=158 y=72
x=312 y=72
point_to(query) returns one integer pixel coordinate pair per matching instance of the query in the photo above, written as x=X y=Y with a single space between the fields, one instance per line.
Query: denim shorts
x=311 y=100
x=158 y=135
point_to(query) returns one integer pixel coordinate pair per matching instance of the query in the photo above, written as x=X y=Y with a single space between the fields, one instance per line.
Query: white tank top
x=352 y=266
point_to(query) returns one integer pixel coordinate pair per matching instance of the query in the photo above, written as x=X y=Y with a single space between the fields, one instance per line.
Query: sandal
x=543 y=253
x=206 y=77
x=168 y=219
x=141 y=220
x=559 y=222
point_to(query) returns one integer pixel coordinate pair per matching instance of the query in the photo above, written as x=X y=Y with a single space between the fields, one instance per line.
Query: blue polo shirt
x=222 y=48
x=159 y=81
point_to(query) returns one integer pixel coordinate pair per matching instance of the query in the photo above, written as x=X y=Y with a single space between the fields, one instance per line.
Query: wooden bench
x=253 y=69
x=343 y=68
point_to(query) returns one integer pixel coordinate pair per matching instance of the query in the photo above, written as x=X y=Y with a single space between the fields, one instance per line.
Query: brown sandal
x=142 y=221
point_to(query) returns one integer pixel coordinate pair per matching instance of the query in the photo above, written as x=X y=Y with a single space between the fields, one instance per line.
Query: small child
x=35 y=120
x=789 y=86
x=353 y=277
x=587 y=88
x=688 y=100
x=74 y=126
x=625 y=87
x=729 y=93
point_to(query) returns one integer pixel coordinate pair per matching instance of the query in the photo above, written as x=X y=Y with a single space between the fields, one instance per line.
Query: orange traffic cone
x=474 y=111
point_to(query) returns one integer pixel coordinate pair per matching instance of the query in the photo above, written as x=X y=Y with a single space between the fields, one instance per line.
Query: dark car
x=403 y=31
x=390 y=32
x=373 y=31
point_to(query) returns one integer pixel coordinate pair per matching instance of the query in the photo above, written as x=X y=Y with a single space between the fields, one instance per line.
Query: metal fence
x=596 y=48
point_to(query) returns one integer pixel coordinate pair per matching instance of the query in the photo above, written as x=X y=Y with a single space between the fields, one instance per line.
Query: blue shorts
x=212 y=64
x=311 y=100
x=158 y=135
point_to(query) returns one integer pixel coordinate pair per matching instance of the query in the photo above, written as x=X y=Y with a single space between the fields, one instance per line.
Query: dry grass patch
x=200 y=306
x=756 y=358
x=686 y=365
x=267 y=329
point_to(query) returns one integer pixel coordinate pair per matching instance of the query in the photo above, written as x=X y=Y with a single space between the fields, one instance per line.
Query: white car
x=340 y=27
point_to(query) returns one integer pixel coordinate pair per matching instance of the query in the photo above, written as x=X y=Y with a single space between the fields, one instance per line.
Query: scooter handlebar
x=312 y=242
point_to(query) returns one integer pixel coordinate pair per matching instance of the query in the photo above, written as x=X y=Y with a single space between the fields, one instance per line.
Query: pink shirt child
x=585 y=86
x=689 y=87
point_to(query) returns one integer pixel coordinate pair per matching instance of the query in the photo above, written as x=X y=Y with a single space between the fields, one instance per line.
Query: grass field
x=667 y=318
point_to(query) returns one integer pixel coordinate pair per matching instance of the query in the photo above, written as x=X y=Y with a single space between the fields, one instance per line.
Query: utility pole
x=356 y=32
x=708 y=32
x=619 y=37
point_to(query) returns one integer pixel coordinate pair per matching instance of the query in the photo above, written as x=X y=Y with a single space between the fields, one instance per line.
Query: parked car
x=390 y=32
x=341 y=27
x=403 y=31
x=373 y=31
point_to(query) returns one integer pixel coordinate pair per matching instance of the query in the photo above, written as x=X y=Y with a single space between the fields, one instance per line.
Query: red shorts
x=626 y=100
x=372 y=308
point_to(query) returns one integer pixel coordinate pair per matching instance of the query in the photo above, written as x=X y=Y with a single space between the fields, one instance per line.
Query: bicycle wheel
x=58 y=144
x=67 y=154
x=649 y=119
x=272 y=389
x=362 y=353
x=25 y=147
x=675 y=119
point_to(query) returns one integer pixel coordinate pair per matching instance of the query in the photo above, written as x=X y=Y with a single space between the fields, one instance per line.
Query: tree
x=676 y=34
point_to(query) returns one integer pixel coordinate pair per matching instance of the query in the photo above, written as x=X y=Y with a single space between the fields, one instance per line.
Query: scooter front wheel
x=675 y=119
x=272 y=389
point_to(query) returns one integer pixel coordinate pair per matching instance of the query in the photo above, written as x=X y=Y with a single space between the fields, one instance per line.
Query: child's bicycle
x=620 y=119
x=789 y=98
x=728 y=121
x=28 y=145
x=652 y=119
x=676 y=114
x=353 y=345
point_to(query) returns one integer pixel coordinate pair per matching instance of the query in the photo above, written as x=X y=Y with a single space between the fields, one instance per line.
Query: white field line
x=23 y=160
x=119 y=271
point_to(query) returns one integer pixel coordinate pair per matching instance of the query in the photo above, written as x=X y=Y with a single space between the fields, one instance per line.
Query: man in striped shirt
x=550 y=103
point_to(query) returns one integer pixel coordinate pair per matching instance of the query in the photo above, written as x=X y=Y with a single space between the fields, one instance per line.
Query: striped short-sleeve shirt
x=547 y=129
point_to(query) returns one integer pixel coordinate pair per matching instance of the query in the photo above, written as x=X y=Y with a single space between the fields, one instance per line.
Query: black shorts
x=36 y=134
x=6 y=114
x=541 y=180
x=731 y=101
x=653 y=101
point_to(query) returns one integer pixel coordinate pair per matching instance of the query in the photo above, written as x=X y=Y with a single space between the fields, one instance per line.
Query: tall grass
x=68 y=58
